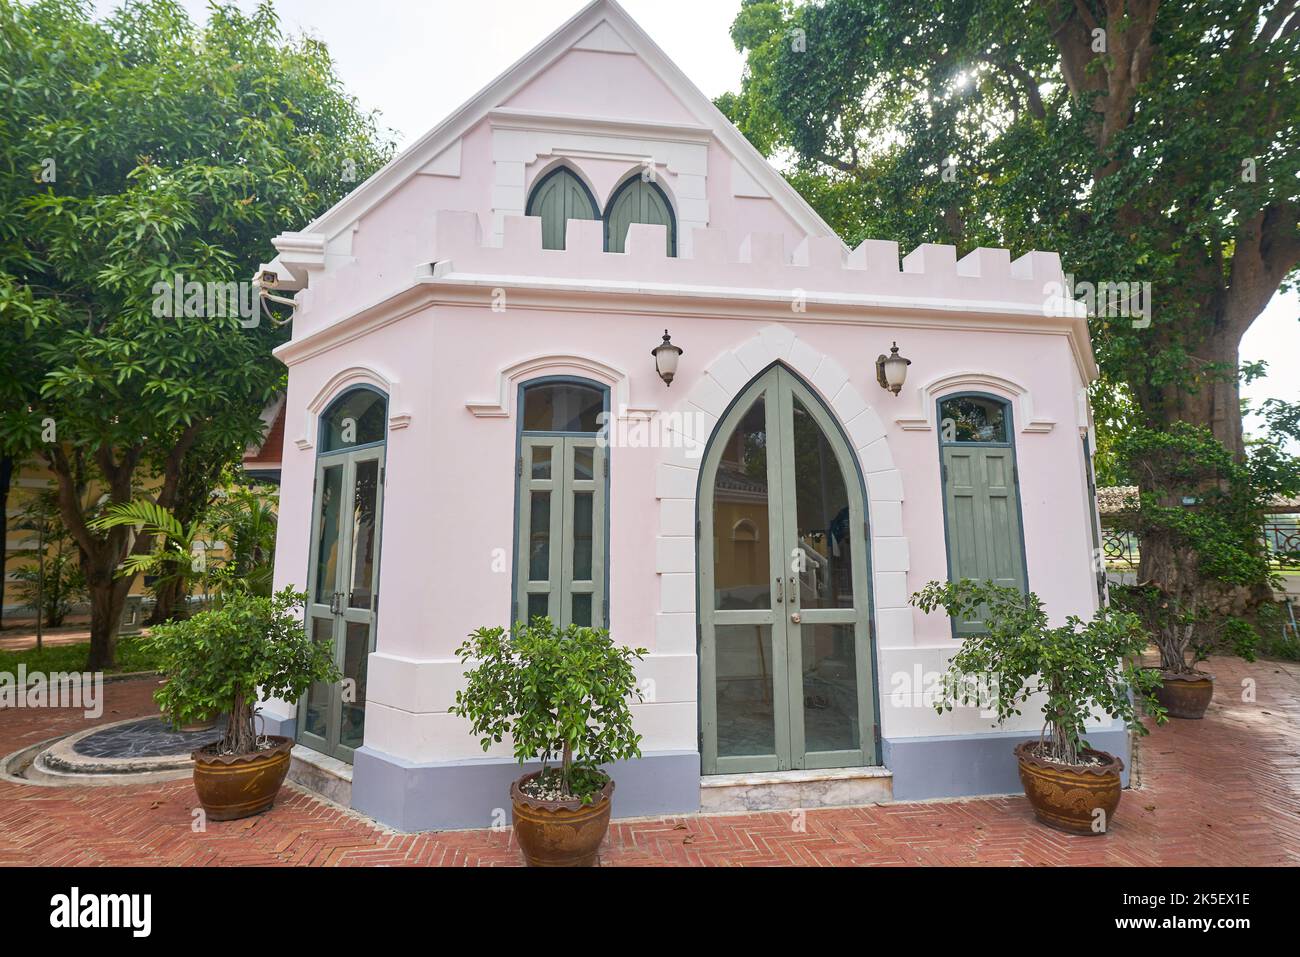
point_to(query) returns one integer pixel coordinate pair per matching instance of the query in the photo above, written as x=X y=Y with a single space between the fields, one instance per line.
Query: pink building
x=476 y=432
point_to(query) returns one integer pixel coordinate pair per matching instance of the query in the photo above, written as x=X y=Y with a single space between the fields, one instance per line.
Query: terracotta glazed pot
x=1066 y=797
x=1186 y=695
x=560 y=833
x=232 y=786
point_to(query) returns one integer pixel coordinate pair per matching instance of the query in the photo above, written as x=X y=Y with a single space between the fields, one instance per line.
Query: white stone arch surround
x=677 y=482
x=339 y=383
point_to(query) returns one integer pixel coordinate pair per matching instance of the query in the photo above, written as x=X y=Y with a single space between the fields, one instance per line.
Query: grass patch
x=131 y=656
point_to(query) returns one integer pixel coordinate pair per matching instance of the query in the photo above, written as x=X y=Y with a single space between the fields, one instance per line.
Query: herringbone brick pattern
x=1224 y=791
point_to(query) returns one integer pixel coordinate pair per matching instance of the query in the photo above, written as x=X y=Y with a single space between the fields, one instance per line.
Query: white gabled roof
x=601 y=24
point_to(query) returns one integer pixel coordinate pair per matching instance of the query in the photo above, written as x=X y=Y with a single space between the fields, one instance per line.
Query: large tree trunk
x=107 y=599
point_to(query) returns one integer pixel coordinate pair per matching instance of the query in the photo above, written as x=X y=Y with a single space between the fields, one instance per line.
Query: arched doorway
x=786 y=661
x=343 y=577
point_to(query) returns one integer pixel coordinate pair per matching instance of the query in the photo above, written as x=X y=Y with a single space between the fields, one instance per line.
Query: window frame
x=322 y=420
x=520 y=432
x=546 y=177
x=663 y=194
x=1010 y=443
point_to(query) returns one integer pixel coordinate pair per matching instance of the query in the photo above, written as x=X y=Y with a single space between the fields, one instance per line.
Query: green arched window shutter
x=559 y=197
x=638 y=201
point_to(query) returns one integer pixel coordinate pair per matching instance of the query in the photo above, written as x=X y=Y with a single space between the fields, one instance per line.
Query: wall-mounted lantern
x=891 y=370
x=666 y=355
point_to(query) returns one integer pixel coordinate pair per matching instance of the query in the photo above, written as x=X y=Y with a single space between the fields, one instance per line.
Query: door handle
x=779 y=593
x=794 y=591
x=795 y=618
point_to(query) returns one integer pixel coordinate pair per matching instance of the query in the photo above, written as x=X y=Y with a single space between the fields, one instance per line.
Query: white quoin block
x=875 y=255
x=647 y=241
x=677 y=516
x=885 y=486
x=829 y=378
x=766 y=249
x=728 y=373
x=865 y=429
x=822 y=252
x=933 y=259
x=455 y=230
x=985 y=263
x=675 y=554
x=887 y=518
x=674 y=482
x=522 y=232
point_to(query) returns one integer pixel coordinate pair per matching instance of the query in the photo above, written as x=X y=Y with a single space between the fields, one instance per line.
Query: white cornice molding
x=444 y=286
x=922 y=419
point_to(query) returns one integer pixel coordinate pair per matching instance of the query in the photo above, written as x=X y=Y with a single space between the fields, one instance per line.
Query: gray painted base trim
x=274 y=724
x=455 y=795
x=963 y=765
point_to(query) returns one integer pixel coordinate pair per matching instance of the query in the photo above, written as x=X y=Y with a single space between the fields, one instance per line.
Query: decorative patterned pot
x=1186 y=695
x=1068 y=798
x=560 y=833
x=232 y=786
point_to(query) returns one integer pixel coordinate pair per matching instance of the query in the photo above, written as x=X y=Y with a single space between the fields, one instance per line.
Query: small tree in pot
x=219 y=661
x=1081 y=668
x=1205 y=568
x=560 y=695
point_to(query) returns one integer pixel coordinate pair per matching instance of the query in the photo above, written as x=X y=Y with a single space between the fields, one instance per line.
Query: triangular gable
x=602 y=26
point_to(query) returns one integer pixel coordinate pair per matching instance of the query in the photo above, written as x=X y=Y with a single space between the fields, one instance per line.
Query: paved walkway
x=1223 y=791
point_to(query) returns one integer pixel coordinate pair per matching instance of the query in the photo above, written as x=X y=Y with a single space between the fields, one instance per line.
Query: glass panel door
x=743 y=666
x=784 y=616
x=343 y=595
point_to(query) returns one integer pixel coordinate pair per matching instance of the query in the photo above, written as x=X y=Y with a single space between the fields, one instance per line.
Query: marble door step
x=783 y=790
x=328 y=777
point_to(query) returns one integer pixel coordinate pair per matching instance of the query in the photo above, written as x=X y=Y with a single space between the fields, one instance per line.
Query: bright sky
x=417 y=60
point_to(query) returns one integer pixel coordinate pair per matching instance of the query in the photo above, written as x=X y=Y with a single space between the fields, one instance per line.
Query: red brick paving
x=1223 y=791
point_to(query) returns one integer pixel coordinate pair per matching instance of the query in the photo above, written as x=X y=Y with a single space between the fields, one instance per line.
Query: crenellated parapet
x=817 y=267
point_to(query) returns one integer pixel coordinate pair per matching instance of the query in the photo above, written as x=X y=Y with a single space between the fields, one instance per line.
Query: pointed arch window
x=558 y=197
x=638 y=200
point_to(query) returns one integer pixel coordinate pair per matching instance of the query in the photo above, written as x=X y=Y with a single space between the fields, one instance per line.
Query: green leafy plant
x=1081 y=666
x=557 y=693
x=1204 y=567
x=220 y=659
x=240 y=518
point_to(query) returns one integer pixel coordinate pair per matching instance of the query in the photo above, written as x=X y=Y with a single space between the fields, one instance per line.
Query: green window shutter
x=982 y=510
x=638 y=201
x=559 y=197
x=560 y=554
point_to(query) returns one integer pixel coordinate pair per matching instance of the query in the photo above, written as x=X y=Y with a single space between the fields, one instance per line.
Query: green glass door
x=785 y=649
x=343 y=596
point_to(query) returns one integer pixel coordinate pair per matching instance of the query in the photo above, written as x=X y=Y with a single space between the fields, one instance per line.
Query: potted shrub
x=1204 y=570
x=1081 y=667
x=562 y=696
x=1184 y=690
x=218 y=661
